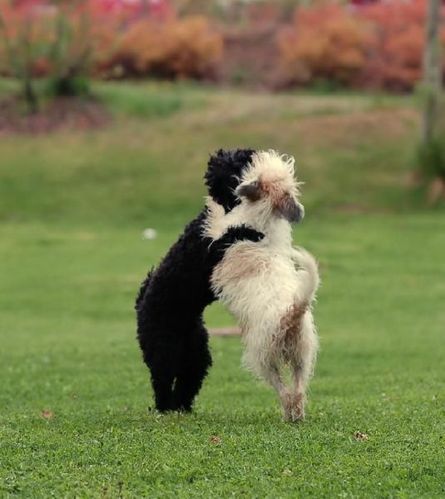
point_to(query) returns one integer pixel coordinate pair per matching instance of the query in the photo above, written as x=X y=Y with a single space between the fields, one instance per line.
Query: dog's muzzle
x=291 y=210
x=296 y=213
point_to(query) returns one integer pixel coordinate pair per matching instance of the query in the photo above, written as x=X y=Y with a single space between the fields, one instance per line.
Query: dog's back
x=179 y=287
x=260 y=282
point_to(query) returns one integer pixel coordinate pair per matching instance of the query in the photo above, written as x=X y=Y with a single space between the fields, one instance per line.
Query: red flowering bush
x=395 y=57
x=379 y=45
x=24 y=36
x=84 y=38
x=24 y=42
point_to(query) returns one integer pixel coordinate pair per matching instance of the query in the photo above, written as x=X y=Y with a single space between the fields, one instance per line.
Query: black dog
x=171 y=301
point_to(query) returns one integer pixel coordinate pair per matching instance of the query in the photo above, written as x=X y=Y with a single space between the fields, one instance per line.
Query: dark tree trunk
x=432 y=72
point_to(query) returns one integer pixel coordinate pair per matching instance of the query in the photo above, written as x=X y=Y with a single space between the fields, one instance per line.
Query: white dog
x=269 y=286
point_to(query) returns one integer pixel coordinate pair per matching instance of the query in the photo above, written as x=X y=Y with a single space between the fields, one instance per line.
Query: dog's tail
x=307 y=274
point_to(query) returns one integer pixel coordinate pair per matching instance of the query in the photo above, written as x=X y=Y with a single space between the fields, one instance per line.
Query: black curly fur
x=223 y=173
x=171 y=301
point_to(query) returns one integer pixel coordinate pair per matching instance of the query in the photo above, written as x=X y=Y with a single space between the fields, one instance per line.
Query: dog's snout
x=295 y=212
x=291 y=210
x=298 y=214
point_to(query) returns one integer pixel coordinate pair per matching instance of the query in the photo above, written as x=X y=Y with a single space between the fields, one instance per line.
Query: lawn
x=74 y=396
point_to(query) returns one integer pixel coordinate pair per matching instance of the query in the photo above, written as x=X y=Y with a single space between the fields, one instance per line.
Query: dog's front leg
x=233 y=235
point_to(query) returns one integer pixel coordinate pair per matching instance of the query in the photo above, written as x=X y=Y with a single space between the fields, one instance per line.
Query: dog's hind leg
x=162 y=379
x=297 y=397
x=161 y=354
x=162 y=387
x=193 y=367
x=302 y=365
x=270 y=372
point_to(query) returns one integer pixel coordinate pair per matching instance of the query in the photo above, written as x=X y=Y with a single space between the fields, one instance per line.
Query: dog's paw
x=242 y=233
x=297 y=410
x=293 y=407
x=233 y=235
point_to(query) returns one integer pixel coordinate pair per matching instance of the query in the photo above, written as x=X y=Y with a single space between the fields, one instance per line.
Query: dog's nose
x=301 y=212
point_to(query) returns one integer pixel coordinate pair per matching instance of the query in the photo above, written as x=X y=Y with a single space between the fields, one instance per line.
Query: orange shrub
x=379 y=45
x=324 y=43
x=178 y=48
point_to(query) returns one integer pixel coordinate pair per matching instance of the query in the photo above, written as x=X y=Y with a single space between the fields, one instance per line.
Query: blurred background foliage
x=56 y=48
x=269 y=44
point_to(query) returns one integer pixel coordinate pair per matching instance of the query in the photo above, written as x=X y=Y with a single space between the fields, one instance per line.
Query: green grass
x=73 y=207
x=151 y=100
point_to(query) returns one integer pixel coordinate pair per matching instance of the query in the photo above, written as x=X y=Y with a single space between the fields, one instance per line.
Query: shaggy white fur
x=269 y=286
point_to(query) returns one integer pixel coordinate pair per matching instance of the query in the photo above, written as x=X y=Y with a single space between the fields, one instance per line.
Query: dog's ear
x=223 y=173
x=251 y=191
